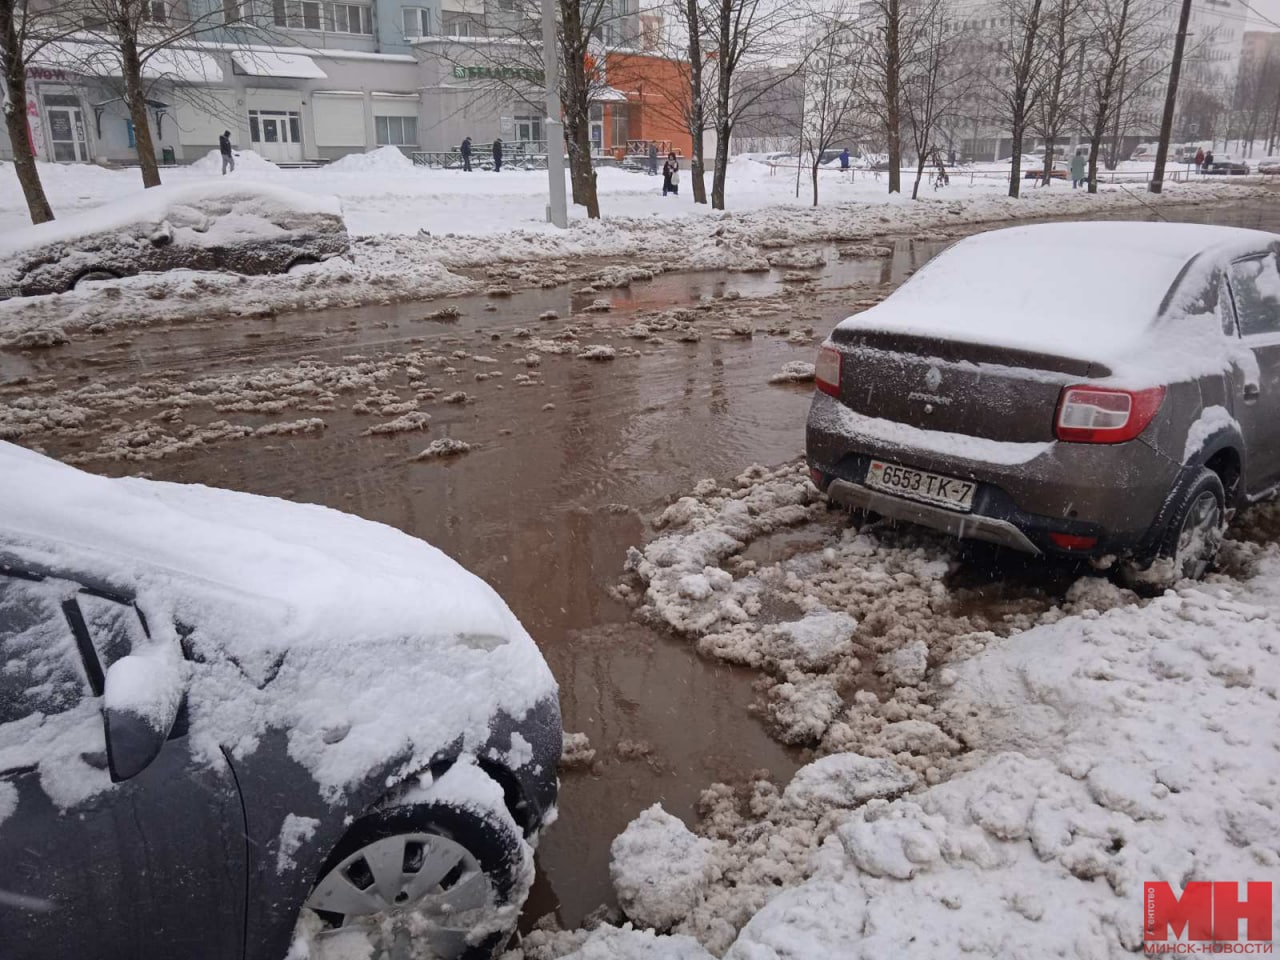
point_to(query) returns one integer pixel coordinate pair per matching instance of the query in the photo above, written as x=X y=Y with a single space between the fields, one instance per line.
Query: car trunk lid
x=978 y=390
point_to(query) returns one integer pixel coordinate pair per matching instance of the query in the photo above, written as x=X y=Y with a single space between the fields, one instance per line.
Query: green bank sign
x=498 y=73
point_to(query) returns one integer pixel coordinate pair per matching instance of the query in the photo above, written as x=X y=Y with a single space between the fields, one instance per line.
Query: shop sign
x=497 y=73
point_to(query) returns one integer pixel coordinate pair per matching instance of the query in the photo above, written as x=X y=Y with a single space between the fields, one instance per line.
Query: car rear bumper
x=963 y=525
x=1107 y=494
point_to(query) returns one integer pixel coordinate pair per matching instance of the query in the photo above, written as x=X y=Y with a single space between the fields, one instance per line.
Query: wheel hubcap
x=1200 y=537
x=426 y=875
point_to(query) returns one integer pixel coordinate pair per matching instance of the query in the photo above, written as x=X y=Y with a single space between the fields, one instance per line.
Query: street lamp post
x=557 y=209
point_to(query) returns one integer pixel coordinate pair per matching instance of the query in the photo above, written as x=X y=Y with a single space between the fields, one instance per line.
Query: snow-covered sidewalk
x=1007 y=791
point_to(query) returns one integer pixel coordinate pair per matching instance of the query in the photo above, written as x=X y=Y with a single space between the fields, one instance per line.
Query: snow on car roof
x=1083 y=290
x=350 y=622
x=150 y=206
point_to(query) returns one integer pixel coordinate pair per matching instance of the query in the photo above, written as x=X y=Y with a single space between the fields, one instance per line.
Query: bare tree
x=1020 y=52
x=832 y=89
x=515 y=52
x=884 y=77
x=145 y=42
x=752 y=39
x=1058 y=90
x=933 y=84
x=1120 y=58
x=22 y=35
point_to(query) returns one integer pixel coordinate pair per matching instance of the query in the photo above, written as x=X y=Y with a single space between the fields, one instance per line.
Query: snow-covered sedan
x=222 y=715
x=1097 y=390
x=235 y=227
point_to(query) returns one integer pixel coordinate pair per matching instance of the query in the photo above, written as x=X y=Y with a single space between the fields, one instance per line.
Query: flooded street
x=570 y=459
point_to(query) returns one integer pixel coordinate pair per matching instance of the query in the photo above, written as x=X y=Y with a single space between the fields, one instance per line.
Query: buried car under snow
x=1100 y=390
x=221 y=715
x=249 y=229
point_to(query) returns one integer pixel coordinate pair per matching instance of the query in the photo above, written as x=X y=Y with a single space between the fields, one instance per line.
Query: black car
x=224 y=716
x=234 y=227
x=1225 y=166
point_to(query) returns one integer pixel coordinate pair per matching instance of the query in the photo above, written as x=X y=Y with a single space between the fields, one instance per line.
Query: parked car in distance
x=231 y=226
x=1269 y=166
x=1123 y=420
x=1225 y=166
x=220 y=712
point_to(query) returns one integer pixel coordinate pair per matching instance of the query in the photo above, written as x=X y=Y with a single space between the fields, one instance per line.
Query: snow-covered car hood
x=362 y=644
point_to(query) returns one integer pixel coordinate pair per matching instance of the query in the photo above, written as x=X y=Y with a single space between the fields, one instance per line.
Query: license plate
x=919 y=485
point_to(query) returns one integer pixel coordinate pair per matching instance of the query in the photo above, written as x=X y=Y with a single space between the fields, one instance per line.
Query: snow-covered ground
x=993 y=779
x=416 y=227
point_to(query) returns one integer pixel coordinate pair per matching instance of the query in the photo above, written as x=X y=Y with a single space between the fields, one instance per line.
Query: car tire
x=93 y=275
x=1188 y=545
x=479 y=855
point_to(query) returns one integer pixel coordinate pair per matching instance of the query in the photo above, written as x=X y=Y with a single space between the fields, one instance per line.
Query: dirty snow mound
x=660 y=869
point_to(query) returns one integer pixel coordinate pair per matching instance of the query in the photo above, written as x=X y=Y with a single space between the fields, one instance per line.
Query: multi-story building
x=303 y=80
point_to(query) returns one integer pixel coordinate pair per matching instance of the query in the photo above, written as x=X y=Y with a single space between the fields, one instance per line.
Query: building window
x=455 y=24
x=153 y=11
x=323 y=17
x=417 y=22
x=396 y=131
x=528 y=129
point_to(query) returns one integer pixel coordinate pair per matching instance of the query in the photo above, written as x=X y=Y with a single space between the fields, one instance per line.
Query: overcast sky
x=1264 y=8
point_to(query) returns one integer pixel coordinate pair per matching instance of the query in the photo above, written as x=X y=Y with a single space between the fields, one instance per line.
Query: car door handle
x=1252 y=392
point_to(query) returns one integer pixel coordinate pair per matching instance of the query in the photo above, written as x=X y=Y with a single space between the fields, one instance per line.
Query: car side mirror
x=141 y=699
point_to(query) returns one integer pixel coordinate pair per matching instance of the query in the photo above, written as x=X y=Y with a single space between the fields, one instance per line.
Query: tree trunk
x=15 y=118
x=724 y=91
x=136 y=98
x=581 y=175
x=697 y=117
x=1095 y=145
x=1171 y=98
x=1047 y=179
x=892 y=80
x=721 y=171
x=1015 y=162
x=815 y=181
x=915 y=190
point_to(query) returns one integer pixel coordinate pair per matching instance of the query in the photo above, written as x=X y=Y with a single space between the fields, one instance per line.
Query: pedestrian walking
x=653 y=158
x=497 y=156
x=466 y=154
x=844 y=161
x=1077 y=170
x=1208 y=161
x=671 y=175
x=224 y=148
x=1199 y=161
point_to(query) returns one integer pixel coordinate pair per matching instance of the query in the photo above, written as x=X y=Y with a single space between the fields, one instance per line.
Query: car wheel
x=448 y=877
x=1190 y=542
x=90 y=276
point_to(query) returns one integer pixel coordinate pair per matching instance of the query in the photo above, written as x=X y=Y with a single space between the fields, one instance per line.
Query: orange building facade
x=654 y=88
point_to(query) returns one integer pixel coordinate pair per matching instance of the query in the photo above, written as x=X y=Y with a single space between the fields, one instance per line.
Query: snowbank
x=382 y=160
x=660 y=869
x=247 y=161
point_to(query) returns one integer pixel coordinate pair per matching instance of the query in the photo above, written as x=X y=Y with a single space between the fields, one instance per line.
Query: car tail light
x=827 y=371
x=1071 y=541
x=1097 y=415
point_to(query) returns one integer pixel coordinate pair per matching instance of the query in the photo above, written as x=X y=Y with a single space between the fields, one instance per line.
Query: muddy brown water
x=547 y=503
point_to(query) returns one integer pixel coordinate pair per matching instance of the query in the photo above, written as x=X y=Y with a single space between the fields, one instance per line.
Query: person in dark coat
x=466 y=154
x=224 y=148
x=1208 y=161
x=653 y=158
x=844 y=159
x=671 y=175
x=497 y=155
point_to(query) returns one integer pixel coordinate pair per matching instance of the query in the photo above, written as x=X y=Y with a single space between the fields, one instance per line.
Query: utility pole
x=1171 y=98
x=557 y=209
